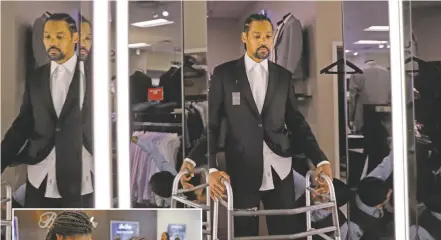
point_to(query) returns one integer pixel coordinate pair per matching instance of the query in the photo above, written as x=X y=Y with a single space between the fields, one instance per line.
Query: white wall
x=426 y=24
x=191 y=217
x=159 y=61
x=223 y=38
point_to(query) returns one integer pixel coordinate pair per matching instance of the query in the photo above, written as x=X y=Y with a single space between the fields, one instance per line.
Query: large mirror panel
x=423 y=67
x=369 y=162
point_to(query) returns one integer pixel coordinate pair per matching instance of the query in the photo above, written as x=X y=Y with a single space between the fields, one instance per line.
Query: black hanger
x=283 y=18
x=414 y=59
x=327 y=69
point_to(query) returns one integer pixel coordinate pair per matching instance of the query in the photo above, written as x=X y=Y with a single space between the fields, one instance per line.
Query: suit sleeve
x=215 y=115
x=199 y=152
x=301 y=135
x=18 y=133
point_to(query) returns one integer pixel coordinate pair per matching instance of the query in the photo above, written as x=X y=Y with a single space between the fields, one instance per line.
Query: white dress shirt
x=60 y=80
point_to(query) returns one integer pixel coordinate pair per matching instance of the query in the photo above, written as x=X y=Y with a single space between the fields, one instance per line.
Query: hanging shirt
x=60 y=79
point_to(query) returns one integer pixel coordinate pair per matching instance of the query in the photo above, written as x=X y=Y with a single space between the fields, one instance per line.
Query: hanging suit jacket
x=288 y=49
x=247 y=128
x=40 y=53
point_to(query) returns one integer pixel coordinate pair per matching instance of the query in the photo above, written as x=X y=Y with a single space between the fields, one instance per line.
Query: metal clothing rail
x=7 y=221
x=307 y=209
x=177 y=196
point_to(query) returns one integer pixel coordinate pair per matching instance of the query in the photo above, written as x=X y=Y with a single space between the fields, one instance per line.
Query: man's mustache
x=84 y=49
x=263 y=47
x=53 y=48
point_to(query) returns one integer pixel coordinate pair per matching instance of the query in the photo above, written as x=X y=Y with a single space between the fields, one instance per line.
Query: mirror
x=423 y=68
x=155 y=43
x=369 y=164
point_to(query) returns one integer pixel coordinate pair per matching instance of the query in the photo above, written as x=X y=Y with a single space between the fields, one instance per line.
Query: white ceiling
x=357 y=16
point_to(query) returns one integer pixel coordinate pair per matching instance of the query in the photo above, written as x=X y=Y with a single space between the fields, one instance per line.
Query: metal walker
x=177 y=196
x=307 y=209
x=7 y=221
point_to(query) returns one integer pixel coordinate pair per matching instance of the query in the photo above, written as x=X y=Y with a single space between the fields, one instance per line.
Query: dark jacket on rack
x=172 y=85
x=37 y=129
x=139 y=85
x=247 y=129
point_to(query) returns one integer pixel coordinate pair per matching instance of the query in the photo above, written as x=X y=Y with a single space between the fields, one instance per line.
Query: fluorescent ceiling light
x=139 y=45
x=370 y=42
x=152 y=23
x=377 y=29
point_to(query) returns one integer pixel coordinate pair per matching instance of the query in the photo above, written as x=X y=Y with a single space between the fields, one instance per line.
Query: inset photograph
x=151 y=224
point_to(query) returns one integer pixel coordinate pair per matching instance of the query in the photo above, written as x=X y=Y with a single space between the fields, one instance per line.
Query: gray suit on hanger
x=288 y=46
x=40 y=54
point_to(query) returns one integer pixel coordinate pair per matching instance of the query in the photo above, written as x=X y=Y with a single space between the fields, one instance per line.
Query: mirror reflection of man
x=85 y=39
x=54 y=125
x=264 y=129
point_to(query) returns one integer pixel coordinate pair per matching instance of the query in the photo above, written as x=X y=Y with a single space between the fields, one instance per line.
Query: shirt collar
x=373 y=211
x=250 y=63
x=69 y=64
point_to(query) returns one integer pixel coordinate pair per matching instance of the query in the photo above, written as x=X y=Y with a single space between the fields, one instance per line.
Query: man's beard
x=55 y=57
x=84 y=56
x=262 y=56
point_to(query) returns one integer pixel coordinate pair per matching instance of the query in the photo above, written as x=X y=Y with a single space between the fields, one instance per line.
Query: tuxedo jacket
x=279 y=124
x=37 y=128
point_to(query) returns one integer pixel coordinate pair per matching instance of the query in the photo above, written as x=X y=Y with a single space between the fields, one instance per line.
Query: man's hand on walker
x=186 y=178
x=324 y=169
x=217 y=188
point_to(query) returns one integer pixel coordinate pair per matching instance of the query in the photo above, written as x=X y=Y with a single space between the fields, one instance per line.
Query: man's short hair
x=372 y=191
x=250 y=19
x=71 y=24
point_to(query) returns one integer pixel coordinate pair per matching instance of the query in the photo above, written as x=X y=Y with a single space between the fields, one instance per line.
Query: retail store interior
x=340 y=57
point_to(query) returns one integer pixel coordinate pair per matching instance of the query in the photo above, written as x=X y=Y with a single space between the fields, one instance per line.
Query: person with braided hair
x=71 y=225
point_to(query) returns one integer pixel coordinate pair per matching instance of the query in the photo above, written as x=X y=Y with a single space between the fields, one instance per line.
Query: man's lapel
x=273 y=80
x=245 y=88
x=47 y=92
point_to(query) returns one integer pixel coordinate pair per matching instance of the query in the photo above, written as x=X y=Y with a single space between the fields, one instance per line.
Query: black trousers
x=34 y=198
x=281 y=197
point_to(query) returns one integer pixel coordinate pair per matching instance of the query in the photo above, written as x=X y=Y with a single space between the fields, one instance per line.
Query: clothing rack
x=198 y=98
x=158 y=117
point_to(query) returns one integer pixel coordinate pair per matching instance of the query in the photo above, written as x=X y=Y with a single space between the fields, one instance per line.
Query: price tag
x=155 y=94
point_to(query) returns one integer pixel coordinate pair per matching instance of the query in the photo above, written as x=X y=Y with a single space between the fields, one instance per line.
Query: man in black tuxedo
x=53 y=132
x=264 y=128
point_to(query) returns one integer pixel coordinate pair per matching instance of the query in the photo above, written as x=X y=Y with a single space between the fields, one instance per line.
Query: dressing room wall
x=223 y=37
x=425 y=23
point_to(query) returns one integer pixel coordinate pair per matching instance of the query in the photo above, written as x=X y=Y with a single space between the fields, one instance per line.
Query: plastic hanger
x=327 y=70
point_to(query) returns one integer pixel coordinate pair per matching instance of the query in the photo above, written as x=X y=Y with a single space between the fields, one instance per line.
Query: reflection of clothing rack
x=157 y=124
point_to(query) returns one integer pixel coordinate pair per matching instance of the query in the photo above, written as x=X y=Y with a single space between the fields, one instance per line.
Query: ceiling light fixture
x=381 y=46
x=165 y=13
x=347 y=51
x=139 y=45
x=152 y=23
x=388 y=46
x=355 y=53
x=377 y=29
x=375 y=42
